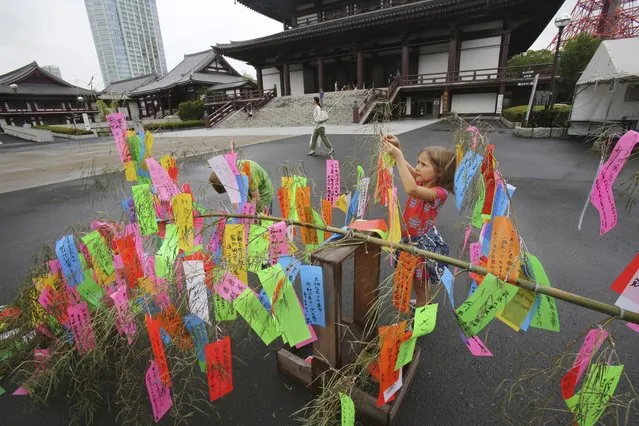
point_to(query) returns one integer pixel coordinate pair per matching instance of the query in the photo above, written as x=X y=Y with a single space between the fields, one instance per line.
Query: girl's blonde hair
x=443 y=159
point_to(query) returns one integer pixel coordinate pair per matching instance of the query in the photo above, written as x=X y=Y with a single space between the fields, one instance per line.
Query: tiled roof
x=57 y=87
x=232 y=85
x=429 y=8
x=190 y=70
x=123 y=87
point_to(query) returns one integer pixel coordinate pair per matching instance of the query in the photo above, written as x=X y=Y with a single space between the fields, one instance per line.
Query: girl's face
x=426 y=172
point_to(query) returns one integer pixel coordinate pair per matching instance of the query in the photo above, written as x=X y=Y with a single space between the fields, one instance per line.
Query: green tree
x=531 y=57
x=191 y=110
x=103 y=109
x=247 y=76
x=575 y=56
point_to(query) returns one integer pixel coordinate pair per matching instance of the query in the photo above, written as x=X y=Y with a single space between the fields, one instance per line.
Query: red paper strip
x=153 y=328
x=219 y=368
x=283 y=198
x=132 y=266
x=625 y=277
x=488 y=172
x=391 y=337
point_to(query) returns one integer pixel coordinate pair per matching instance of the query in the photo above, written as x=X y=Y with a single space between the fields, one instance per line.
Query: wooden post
x=453 y=49
x=320 y=73
x=360 y=70
x=287 y=79
x=405 y=60
x=260 y=80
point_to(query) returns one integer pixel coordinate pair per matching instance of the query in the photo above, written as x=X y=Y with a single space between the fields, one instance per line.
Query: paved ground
x=451 y=387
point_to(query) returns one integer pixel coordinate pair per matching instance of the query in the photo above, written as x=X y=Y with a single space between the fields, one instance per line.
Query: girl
x=427 y=186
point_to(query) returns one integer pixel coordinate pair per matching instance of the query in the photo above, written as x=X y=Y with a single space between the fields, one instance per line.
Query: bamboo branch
x=556 y=293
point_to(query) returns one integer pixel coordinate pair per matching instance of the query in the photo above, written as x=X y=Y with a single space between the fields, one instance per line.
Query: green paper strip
x=546 y=317
x=482 y=307
x=249 y=306
x=144 y=210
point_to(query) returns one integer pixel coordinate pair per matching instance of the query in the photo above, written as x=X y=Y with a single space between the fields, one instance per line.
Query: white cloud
x=547 y=35
x=58 y=33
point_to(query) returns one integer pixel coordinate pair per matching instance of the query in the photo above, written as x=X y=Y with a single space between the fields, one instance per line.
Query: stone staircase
x=294 y=111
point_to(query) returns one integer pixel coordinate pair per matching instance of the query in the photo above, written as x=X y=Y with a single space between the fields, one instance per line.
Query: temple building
x=31 y=96
x=190 y=80
x=434 y=56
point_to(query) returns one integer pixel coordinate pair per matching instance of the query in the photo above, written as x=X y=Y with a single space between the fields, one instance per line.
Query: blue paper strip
x=128 y=207
x=352 y=208
x=485 y=243
x=290 y=266
x=473 y=287
x=243 y=185
x=448 y=279
x=69 y=258
x=197 y=330
x=313 y=295
x=263 y=297
x=464 y=175
x=500 y=205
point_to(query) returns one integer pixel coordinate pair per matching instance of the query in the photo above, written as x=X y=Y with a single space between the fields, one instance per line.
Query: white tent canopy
x=608 y=90
x=615 y=59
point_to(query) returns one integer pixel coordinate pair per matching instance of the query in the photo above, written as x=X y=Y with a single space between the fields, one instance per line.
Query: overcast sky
x=57 y=32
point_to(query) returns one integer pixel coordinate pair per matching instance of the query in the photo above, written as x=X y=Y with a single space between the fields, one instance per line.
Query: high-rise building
x=127 y=38
x=53 y=69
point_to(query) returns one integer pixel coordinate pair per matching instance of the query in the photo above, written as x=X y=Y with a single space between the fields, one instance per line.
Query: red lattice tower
x=607 y=19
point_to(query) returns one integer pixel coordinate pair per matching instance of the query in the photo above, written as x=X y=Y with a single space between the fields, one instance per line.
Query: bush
x=540 y=117
x=66 y=130
x=165 y=125
x=191 y=110
x=174 y=125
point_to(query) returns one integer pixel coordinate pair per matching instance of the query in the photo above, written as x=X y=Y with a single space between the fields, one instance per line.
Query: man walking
x=319 y=118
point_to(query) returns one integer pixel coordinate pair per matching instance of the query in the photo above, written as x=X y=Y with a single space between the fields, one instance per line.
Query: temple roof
x=121 y=89
x=438 y=12
x=274 y=9
x=207 y=67
x=33 y=80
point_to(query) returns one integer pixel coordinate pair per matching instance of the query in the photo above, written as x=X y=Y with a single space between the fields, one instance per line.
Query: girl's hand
x=392 y=150
x=392 y=139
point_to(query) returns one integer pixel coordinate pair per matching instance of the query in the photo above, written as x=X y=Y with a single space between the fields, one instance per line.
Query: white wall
x=433 y=59
x=135 y=112
x=591 y=103
x=479 y=54
x=270 y=77
x=296 y=72
x=474 y=103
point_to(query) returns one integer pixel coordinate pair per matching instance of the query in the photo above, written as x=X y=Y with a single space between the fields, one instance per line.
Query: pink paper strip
x=134 y=229
x=216 y=238
x=55 y=267
x=159 y=393
x=332 y=180
x=602 y=196
x=117 y=123
x=632 y=326
x=312 y=339
x=80 y=323
x=123 y=321
x=230 y=287
x=21 y=391
x=198 y=224
x=477 y=347
x=248 y=209
x=278 y=246
x=231 y=158
x=592 y=342
x=165 y=186
x=475 y=252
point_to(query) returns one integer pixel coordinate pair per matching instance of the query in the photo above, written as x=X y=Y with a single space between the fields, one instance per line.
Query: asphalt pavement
x=553 y=179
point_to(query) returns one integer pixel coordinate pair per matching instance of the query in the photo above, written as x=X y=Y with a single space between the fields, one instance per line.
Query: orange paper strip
x=403 y=280
x=327 y=216
x=503 y=257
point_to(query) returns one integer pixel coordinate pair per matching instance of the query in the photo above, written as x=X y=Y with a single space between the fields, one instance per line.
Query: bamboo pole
x=556 y=293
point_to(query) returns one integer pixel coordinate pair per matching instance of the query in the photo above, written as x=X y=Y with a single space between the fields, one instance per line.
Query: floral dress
x=419 y=230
